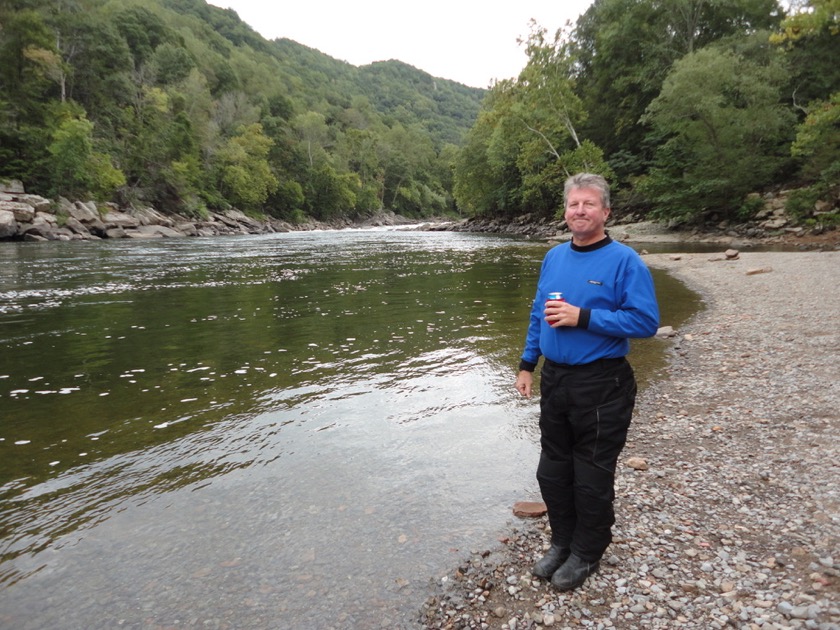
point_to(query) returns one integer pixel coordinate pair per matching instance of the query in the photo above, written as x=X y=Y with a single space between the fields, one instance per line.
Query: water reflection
x=266 y=418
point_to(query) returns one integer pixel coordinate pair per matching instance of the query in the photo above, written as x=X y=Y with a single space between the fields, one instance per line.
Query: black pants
x=585 y=413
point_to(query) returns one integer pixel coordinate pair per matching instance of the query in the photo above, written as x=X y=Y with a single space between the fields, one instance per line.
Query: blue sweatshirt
x=614 y=289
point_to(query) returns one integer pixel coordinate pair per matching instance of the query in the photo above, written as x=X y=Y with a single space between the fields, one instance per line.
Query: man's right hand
x=523 y=383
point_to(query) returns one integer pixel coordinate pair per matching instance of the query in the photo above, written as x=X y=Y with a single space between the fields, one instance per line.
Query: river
x=280 y=431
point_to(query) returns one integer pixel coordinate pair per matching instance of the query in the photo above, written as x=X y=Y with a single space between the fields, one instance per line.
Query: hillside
x=182 y=105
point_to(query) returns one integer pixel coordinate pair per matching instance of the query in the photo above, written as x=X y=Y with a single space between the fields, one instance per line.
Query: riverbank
x=26 y=217
x=730 y=513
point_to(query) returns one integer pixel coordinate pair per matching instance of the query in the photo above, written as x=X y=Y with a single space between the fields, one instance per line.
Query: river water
x=284 y=431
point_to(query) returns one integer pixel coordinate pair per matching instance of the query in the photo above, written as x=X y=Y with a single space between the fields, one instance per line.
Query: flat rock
x=529 y=509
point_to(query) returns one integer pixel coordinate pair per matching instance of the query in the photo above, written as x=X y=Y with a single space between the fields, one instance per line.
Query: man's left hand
x=559 y=313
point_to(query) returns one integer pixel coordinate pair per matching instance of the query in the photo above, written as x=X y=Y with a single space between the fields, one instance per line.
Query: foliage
x=817 y=141
x=624 y=49
x=76 y=168
x=726 y=132
x=175 y=91
x=245 y=175
x=525 y=143
x=687 y=106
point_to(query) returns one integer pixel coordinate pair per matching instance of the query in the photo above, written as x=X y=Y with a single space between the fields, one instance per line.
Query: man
x=587 y=387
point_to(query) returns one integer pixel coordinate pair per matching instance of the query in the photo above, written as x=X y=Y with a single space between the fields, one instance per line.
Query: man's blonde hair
x=588 y=180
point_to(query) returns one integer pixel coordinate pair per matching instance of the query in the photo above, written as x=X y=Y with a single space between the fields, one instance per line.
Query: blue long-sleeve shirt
x=614 y=289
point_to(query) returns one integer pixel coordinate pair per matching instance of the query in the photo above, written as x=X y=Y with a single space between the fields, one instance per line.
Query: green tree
x=623 y=51
x=810 y=38
x=77 y=169
x=548 y=107
x=483 y=185
x=817 y=142
x=527 y=140
x=25 y=85
x=245 y=176
x=725 y=130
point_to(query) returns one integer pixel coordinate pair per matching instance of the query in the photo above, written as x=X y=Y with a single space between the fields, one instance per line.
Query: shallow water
x=293 y=430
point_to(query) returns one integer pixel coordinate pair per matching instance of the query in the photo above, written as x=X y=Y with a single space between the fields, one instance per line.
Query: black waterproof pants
x=585 y=413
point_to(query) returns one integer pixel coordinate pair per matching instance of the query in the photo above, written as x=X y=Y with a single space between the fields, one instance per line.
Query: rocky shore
x=769 y=228
x=26 y=217
x=728 y=492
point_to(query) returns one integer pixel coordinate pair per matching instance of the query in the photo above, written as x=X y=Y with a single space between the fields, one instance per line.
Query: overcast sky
x=469 y=41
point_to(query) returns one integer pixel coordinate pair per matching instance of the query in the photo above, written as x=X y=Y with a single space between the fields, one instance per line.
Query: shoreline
x=31 y=218
x=736 y=520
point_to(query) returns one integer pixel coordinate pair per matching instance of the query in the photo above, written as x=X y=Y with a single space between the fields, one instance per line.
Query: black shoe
x=551 y=561
x=573 y=573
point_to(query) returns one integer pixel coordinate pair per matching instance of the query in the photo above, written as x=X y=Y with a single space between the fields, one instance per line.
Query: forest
x=692 y=108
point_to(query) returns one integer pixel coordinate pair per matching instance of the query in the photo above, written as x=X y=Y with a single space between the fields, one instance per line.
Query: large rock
x=84 y=212
x=40 y=228
x=117 y=219
x=154 y=231
x=529 y=509
x=23 y=211
x=187 y=228
x=77 y=227
x=45 y=217
x=12 y=186
x=150 y=216
x=8 y=224
x=41 y=204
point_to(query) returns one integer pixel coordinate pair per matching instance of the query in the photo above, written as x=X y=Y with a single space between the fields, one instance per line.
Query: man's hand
x=523 y=383
x=559 y=313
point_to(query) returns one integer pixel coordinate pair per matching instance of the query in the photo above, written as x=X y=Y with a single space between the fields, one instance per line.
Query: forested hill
x=694 y=110
x=182 y=105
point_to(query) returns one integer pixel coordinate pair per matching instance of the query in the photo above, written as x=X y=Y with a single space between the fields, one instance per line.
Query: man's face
x=585 y=215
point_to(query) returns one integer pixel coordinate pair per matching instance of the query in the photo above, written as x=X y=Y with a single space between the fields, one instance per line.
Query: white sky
x=469 y=41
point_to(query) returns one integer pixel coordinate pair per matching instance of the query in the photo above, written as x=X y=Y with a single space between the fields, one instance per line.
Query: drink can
x=555 y=295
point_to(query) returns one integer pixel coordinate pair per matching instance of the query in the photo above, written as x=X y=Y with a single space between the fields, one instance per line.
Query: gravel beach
x=728 y=491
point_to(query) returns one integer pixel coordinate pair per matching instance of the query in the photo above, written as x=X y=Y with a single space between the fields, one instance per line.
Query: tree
x=810 y=38
x=245 y=177
x=25 y=126
x=77 y=169
x=725 y=130
x=548 y=107
x=527 y=140
x=623 y=51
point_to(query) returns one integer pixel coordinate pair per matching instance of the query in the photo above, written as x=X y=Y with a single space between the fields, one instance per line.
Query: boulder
x=12 y=186
x=150 y=216
x=45 y=217
x=40 y=204
x=23 y=212
x=8 y=224
x=154 y=231
x=84 y=212
x=114 y=232
x=42 y=229
x=187 y=228
x=117 y=219
x=77 y=227
x=774 y=224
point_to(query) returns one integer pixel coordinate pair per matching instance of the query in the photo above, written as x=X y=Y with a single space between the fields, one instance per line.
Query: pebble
x=741 y=528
